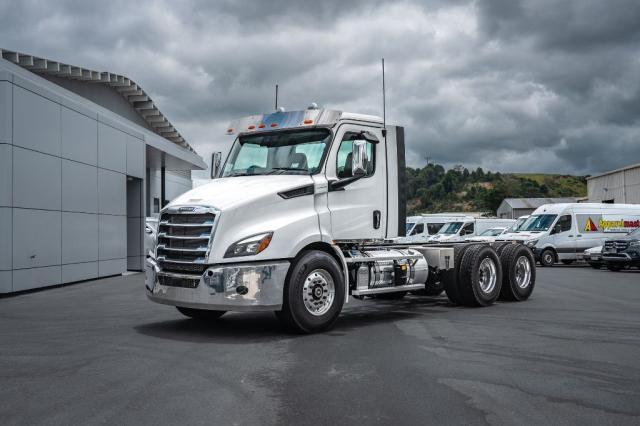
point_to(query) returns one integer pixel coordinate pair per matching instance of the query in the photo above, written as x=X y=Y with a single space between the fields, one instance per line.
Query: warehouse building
x=513 y=208
x=617 y=186
x=84 y=157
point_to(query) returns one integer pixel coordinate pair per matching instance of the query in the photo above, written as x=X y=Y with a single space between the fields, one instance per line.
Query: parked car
x=489 y=235
x=460 y=229
x=622 y=252
x=593 y=257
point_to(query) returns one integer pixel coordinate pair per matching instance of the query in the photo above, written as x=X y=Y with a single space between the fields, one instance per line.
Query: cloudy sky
x=509 y=85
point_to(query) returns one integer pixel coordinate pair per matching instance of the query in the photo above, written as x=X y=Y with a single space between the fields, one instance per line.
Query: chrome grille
x=618 y=245
x=183 y=239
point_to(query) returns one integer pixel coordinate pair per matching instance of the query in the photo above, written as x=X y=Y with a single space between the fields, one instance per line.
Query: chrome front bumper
x=244 y=287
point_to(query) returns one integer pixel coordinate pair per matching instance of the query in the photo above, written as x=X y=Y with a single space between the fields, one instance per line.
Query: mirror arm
x=337 y=185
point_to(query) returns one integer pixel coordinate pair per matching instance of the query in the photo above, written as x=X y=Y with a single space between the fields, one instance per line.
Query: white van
x=559 y=232
x=420 y=228
x=462 y=228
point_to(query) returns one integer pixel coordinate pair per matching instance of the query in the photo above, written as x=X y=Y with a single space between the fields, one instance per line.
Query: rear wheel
x=200 y=314
x=451 y=285
x=547 y=257
x=519 y=273
x=313 y=293
x=480 y=276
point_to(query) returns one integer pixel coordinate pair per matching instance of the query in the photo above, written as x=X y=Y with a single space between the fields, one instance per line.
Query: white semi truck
x=301 y=216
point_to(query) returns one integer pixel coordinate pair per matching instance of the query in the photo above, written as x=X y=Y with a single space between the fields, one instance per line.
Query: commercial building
x=617 y=186
x=513 y=208
x=84 y=157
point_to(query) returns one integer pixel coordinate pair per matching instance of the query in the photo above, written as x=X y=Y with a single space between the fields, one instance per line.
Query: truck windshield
x=450 y=228
x=298 y=152
x=539 y=223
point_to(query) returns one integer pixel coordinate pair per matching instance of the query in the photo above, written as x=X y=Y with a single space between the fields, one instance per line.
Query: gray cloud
x=529 y=85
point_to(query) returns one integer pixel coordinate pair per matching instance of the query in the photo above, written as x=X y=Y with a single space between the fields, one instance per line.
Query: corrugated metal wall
x=619 y=187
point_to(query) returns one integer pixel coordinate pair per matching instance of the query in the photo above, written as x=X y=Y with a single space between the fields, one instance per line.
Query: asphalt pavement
x=100 y=353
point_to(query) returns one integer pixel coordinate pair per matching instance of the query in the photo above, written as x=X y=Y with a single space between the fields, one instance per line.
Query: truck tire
x=313 y=293
x=451 y=279
x=547 y=257
x=480 y=276
x=200 y=314
x=518 y=273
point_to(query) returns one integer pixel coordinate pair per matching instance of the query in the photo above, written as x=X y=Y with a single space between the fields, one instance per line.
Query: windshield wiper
x=287 y=169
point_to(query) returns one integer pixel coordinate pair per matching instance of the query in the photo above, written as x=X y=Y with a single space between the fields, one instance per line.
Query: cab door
x=563 y=237
x=358 y=210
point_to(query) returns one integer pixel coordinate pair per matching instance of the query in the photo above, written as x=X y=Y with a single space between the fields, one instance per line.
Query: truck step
x=369 y=291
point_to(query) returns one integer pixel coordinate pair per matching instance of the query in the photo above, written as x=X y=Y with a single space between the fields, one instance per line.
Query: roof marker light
x=229 y=130
x=308 y=121
x=252 y=127
x=274 y=124
x=261 y=126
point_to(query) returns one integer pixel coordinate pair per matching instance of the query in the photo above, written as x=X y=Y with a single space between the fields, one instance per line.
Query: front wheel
x=200 y=314
x=547 y=257
x=313 y=294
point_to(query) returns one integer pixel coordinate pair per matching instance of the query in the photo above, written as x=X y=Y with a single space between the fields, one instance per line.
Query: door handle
x=579 y=235
x=570 y=235
x=376 y=219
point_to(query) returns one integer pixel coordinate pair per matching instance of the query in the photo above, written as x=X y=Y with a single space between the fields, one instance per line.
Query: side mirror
x=359 y=158
x=216 y=159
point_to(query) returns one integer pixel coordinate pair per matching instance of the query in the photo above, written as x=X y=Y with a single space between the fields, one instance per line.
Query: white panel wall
x=36 y=238
x=36 y=122
x=79 y=187
x=79 y=237
x=6 y=229
x=112 y=192
x=63 y=190
x=6 y=174
x=112 y=148
x=79 y=137
x=6 y=122
x=113 y=237
x=135 y=157
x=36 y=180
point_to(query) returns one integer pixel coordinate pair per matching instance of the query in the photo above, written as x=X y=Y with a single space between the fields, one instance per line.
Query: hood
x=225 y=193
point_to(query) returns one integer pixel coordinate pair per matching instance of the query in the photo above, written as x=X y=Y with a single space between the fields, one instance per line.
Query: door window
x=433 y=228
x=419 y=229
x=345 y=157
x=564 y=223
x=468 y=229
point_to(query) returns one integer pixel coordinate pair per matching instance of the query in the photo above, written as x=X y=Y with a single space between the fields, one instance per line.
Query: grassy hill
x=433 y=189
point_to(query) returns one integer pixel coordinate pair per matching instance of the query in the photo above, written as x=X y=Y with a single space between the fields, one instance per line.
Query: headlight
x=249 y=246
x=634 y=243
x=531 y=243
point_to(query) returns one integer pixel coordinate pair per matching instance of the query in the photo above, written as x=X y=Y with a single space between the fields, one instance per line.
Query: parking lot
x=99 y=352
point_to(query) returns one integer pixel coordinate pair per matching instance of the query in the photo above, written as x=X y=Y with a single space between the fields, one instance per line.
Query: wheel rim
x=488 y=277
x=318 y=292
x=523 y=272
x=548 y=258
